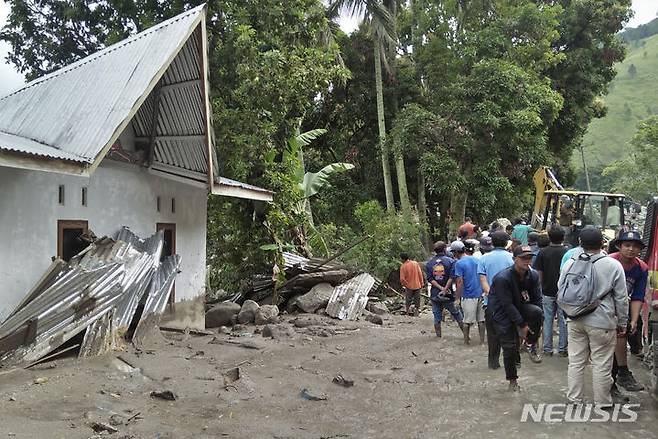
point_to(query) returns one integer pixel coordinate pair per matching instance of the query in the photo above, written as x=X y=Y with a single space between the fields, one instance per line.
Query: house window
x=69 y=238
x=83 y=198
x=61 y=195
x=157 y=204
x=173 y=205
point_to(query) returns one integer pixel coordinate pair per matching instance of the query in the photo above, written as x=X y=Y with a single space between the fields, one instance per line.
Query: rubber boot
x=481 y=330
x=437 y=329
x=467 y=336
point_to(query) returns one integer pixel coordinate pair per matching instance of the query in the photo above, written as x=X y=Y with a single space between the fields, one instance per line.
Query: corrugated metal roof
x=74 y=112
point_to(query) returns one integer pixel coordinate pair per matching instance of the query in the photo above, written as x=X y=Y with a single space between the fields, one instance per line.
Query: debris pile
x=97 y=292
x=311 y=286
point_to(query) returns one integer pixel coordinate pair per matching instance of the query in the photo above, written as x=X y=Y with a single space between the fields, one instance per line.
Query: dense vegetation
x=431 y=110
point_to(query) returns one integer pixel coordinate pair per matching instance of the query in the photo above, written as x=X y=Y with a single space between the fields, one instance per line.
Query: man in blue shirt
x=438 y=271
x=469 y=291
x=489 y=266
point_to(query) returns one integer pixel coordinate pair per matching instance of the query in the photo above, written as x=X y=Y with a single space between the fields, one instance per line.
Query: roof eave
x=236 y=189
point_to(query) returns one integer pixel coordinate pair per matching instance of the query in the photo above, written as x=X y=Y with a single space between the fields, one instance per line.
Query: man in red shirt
x=411 y=278
x=636 y=270
x=467 y=230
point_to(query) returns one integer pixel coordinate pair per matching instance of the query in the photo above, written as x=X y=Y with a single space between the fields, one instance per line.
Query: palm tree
x=382 y=23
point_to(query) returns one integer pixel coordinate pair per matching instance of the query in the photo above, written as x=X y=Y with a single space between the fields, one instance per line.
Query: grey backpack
x=576 y=295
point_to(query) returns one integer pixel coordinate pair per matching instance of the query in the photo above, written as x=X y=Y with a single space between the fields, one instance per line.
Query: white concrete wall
x=117 y=195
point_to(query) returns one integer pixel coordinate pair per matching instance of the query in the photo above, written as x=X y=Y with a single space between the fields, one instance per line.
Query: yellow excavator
x=573 y=209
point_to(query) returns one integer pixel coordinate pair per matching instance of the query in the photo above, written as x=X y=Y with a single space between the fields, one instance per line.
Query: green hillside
x=631 y=98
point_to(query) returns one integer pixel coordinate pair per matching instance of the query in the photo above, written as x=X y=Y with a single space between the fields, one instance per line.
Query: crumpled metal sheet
x=143 y=261
x=349 y=299
x=159 y=292
x=86 y=290
x=99 y=337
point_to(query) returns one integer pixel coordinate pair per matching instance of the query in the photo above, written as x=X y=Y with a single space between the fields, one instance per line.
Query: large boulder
x=267 y=314
x=315 y=299
x=377 y=308
x=248 y=312
x=221 y=314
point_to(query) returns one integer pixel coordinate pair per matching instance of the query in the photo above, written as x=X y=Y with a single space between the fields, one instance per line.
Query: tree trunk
x=422 y=210
x=401 y=173
x=386 y=166
x=457 y=210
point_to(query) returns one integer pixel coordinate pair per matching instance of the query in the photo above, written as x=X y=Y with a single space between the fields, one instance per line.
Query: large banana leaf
x=314 y=181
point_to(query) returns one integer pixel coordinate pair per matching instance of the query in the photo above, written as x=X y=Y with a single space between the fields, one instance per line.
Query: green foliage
x=390 y=233
x=637 y=173
x=314 y=181
x=638 y=33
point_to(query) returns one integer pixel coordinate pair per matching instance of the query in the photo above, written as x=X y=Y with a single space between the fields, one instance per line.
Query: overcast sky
x=645 y=11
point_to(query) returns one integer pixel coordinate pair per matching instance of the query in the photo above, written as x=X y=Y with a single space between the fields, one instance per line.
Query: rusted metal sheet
x=350 y=298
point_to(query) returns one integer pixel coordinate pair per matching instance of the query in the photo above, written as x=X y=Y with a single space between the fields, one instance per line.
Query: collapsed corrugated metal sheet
x=74 y=112
x=84 y=292
x=98 y=291
x=349 y=299
x=140 y=268
x=158 y=295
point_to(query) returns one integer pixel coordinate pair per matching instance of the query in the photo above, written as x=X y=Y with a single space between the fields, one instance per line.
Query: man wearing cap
x=636 y=272
x=438 y=271
x=489 y=265
x=592 y=337
x=515 y=303
x=547 y=265
x=469 y=290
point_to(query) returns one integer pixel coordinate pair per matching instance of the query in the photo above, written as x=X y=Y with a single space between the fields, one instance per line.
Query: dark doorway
x=69 y=241
x=169 y=247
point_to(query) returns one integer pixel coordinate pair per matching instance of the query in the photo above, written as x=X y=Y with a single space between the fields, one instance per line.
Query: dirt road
x=407 y=384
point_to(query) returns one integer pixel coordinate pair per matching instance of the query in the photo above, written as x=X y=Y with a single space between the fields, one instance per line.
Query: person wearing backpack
x=592 y=293
x=515 y=305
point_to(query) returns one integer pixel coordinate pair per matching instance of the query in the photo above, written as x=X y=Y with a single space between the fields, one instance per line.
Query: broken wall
x=118 y=194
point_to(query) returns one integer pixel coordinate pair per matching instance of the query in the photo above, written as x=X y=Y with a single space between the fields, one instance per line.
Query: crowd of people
x=514 y=283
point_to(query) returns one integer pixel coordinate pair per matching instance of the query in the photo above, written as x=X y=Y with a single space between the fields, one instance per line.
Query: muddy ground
x=407 y=384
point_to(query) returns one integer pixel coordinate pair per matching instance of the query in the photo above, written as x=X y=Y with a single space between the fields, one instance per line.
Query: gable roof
x=74 y=113
x=155 y=82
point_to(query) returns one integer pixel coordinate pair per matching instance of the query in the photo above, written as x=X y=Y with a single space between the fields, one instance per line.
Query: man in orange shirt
x=411 y=278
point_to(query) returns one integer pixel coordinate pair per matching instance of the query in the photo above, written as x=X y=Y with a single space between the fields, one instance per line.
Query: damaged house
x=117 y=145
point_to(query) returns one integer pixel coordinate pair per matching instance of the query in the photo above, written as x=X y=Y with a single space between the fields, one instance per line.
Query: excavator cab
x=574 y=210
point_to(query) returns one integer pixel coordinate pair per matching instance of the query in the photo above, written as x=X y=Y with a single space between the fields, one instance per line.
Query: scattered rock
x=221 y=314
x=317 y=298
x=101 y=426
x=267 y=314
x=117 y=420
x=342 y=381
x=321 y=311
x=379 y=308
x=231 y=376
x=223 y=330
x=239 y=327
x=291 y=306
x=375 y=318
x=277 y=331
x=311 y=396
x=41 y=380
x=248 y=312
x=164 y=394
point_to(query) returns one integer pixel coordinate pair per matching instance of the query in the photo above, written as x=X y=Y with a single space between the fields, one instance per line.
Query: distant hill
x=643 y=31
x=633 y=97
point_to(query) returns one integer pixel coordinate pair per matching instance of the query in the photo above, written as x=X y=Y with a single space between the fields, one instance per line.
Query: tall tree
x=382 y=24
